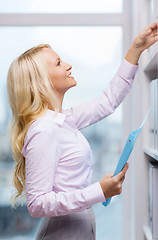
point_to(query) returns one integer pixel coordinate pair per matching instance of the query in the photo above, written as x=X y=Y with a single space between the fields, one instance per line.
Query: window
x=94 y=62
x=97 y=57
x=69 y=6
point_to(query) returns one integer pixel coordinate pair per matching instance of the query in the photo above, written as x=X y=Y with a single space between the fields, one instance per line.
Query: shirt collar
x=58 y=117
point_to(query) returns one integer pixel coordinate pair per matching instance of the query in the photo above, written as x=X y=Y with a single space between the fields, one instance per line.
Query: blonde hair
x=30 y=91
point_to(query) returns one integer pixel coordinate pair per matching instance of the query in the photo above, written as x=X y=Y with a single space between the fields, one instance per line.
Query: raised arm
x=42 y=154
x=109 y=99
x=119 y=86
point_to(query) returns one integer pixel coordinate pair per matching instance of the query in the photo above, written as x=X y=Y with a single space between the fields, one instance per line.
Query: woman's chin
x=73 y=85
x=74 y=82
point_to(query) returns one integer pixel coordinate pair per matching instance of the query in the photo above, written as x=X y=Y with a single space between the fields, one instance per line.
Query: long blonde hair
x=30 y=92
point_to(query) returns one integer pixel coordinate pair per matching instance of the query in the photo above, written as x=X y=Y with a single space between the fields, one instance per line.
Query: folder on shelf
x=127 y=151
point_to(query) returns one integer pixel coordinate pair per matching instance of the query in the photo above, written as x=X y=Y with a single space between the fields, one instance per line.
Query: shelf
x=152 y=153
x=151 y=67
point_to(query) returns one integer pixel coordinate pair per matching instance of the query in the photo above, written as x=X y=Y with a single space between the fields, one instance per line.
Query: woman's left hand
x=146 y=38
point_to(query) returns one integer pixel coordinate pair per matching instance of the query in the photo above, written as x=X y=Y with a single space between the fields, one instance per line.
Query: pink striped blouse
x=58 y=158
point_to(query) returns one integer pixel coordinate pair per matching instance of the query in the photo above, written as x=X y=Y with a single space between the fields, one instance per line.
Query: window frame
x=75 y=19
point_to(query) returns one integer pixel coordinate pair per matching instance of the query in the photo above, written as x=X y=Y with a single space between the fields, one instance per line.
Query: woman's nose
x=68 y=67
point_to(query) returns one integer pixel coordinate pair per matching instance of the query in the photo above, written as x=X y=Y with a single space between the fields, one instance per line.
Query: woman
x=53 y=159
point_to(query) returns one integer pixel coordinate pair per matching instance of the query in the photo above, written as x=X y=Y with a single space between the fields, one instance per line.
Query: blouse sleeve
x=42 y=154
x=109 y=99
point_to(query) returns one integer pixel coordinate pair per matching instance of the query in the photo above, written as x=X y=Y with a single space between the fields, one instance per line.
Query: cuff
x=127 y=70
x=94 y=194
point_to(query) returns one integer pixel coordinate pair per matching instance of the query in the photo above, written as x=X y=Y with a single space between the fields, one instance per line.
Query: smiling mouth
x=69 y=76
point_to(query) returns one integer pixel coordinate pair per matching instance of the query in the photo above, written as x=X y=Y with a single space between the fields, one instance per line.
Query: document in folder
x=127 y=151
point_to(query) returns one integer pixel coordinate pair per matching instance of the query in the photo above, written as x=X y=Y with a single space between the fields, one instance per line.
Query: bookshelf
x=151 y=151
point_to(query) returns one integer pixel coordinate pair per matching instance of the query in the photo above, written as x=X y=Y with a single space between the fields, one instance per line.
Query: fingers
x=122 y=179
x=120 y=175
x=154 y=25
x=150 y=28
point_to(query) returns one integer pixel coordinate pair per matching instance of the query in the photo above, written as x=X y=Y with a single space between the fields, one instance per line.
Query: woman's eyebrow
x=57 y=59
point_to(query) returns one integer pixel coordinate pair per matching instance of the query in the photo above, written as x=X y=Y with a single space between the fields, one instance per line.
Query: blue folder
x=127 y=151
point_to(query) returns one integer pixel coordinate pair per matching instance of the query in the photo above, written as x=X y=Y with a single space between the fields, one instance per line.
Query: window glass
x=62 y=6
x=95 y=54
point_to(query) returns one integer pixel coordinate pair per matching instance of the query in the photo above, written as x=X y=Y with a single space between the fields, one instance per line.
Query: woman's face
x=58 y=71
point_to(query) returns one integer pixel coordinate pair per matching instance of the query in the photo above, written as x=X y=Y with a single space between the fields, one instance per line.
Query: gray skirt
x=74 y=226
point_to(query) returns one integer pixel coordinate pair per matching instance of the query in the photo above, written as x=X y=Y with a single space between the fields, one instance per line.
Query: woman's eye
x=58 y=63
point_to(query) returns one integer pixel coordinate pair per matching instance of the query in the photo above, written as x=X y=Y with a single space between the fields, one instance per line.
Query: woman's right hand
x=113 y=185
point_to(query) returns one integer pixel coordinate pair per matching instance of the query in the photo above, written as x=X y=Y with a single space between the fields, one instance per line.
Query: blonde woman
x=53 y=159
